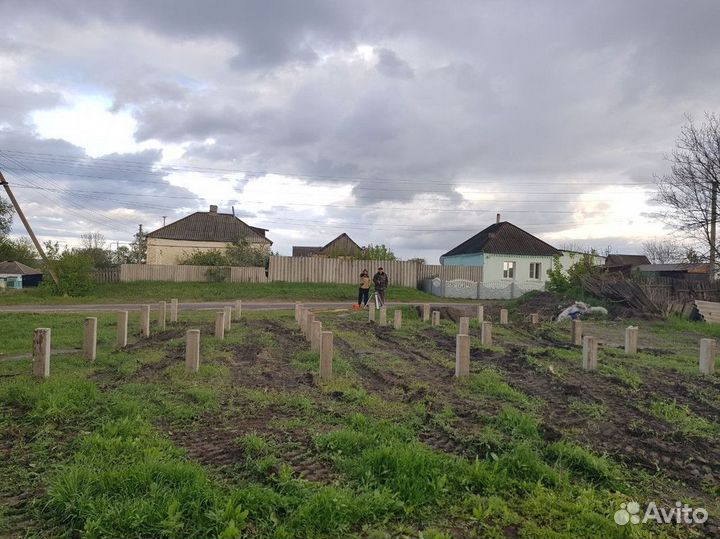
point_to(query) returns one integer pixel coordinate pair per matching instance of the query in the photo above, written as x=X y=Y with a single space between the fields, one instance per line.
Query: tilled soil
x=214 y=440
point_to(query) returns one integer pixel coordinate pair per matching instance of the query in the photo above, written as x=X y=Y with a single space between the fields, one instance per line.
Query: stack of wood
x=615 y=287
x=709 y=310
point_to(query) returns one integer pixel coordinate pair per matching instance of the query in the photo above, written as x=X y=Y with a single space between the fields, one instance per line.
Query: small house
x=201 y=231
x=18 y=275
x=341 y=247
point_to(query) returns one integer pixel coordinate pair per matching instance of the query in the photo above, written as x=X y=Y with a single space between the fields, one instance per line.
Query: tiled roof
x=504 y=238
x=210 y=226
x=345 y=245
x=17 y=268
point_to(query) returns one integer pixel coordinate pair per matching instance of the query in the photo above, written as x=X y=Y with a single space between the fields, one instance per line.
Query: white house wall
x=493 y=268
x=170 y=252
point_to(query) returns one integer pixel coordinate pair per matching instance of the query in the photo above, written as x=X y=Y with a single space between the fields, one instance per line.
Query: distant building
x=201 y=231
x=685 y=271
x=342 y=246
x=18 y=275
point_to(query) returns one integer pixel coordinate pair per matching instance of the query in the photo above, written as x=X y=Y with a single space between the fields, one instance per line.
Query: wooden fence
x=107 y=275
x=183 y=274
x=292 y=270
x=337 y=270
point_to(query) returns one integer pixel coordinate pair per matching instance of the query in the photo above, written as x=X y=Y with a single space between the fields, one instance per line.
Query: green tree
x=74 y=271
x=138 y=249
x=6 y=216
x=20 y=250
x=242 y=253
x=571 y=281
x=377 y=252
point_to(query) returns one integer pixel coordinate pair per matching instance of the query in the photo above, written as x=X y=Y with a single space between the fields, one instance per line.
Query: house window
x=535 y=270
x=508 y=270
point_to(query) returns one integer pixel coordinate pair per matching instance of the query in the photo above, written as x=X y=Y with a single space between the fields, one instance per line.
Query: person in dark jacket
x=381 y=281
x=364 y=290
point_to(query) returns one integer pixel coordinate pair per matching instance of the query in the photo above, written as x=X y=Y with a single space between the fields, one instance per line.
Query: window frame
x=537 y=275
x=509 y=269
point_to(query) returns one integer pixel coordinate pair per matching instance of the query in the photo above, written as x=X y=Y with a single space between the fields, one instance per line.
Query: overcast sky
x=410 y=123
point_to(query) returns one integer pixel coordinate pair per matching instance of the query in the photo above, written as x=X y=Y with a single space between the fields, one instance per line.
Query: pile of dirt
x=547 y=304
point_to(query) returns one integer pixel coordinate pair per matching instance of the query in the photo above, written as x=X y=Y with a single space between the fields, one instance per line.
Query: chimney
x=497 y=218
x=213 y=208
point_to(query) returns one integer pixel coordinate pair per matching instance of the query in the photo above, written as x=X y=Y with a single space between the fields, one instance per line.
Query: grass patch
x=490 y=384
x=684 y=419
x=143 y=291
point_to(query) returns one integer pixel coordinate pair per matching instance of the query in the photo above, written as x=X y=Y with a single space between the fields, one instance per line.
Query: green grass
x=684 y=419
x=144 y=291
x=362 y=455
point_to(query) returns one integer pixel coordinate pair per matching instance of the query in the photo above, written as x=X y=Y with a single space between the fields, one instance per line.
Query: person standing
x=381 y=281
x=364 y=290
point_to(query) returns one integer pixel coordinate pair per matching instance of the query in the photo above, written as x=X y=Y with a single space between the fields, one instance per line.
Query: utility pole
x=164 y=219
x=20 y=213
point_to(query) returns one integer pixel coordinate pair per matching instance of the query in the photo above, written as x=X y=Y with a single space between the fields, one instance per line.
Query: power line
x=126 y=165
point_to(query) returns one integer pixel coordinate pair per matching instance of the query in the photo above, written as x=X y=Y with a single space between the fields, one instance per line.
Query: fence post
x=577 y=332
x=397 y=322
x=238 y=309
x=145 y=320
x=426 y=312
x=122 y=328
x=383 y=316
x=464 y=327
x=590 y=351
x=220 y=325
x=228 y=317
x=707 y=356
x=486 y=334
x=90 y=338
x=173 y=310
x=503 y=316
x=462 y=355
x=162 y=315
x=298 y=306
x=326 y=355
x=192 y=350
x=307 y=330
x=480 y=314
x=316 y=336
x=534 y=318
x=41 y=353
x=371 y=312
x=631 y=340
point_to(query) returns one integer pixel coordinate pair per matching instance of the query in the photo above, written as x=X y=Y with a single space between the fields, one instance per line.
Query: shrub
x=74 y=273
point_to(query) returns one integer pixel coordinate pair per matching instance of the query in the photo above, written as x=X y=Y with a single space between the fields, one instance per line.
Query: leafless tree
x=689 y=191
x=92 y=240
x=665 y=251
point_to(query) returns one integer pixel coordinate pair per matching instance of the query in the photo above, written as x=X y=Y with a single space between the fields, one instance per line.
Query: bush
x=205 y=258
x=570 y=281
x=74 y=273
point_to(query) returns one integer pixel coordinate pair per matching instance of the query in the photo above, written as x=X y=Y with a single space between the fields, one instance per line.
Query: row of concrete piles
x=320 y=341
x=42 y=336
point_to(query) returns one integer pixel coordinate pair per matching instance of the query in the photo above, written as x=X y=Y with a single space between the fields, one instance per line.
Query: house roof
x=17 y=268
x=504 y=238
x=325 y=249
x=328 y=246
x=682 y=267
x=622 y=260
x=210 y=226
x=304 y=251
